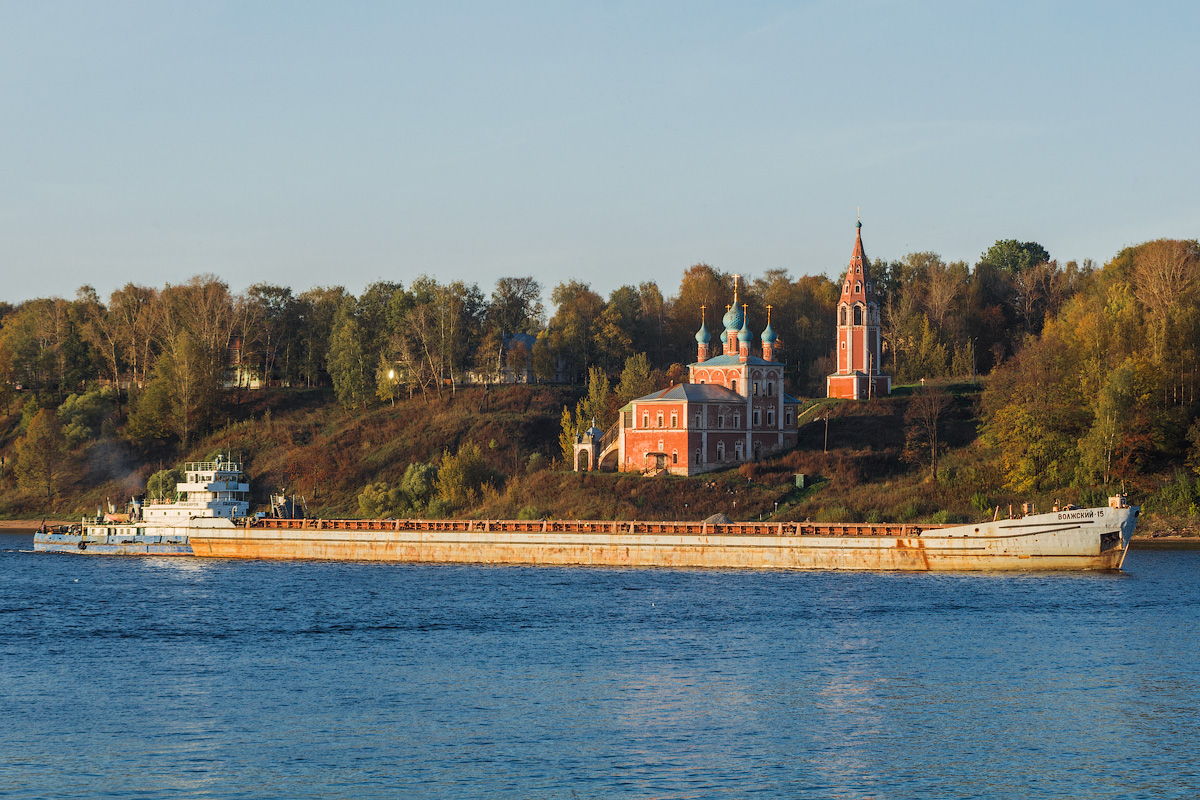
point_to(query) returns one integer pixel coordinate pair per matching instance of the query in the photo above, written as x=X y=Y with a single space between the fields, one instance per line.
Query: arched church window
x=788 y=417
x=770 y=418
x=645 y=419
x=858 y=315
x=674 y=420
x=720 y=451
x=733 y=386
x=843 y=322
x=770 y=388
x=757 y=418
x=857 y=287
x=674 y=456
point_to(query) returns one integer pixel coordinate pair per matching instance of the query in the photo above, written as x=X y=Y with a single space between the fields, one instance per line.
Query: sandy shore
x=31 y=524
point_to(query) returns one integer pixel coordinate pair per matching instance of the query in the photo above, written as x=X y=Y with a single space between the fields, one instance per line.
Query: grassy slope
x=303 y=441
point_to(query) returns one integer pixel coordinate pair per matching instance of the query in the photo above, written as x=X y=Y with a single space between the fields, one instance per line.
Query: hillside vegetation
x=302 y=441
x=1066 y=382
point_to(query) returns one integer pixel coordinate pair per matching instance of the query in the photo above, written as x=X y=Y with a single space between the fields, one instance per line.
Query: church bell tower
x=859 y=351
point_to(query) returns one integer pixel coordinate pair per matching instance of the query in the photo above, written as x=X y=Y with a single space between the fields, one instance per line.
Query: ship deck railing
x=600 y=527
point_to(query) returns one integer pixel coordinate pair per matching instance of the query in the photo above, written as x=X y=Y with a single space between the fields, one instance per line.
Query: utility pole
x=826 y=431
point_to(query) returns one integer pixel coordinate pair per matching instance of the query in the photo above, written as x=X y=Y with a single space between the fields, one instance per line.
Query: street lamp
x=392 y=386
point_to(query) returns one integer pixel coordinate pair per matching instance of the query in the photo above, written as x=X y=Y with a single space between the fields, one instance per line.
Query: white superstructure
x=209 y=489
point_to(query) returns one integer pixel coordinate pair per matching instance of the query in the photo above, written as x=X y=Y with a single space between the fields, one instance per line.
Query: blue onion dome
x=733 y=318
x=744 y=335
x=702 y=335
x=768 y=335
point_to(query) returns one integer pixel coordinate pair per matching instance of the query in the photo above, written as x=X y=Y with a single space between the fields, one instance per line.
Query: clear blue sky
x=310 y=143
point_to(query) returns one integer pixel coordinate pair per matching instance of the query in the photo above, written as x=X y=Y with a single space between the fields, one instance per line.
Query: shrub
x=947 y=517
x=461 y=476
x=835 y=514
x=378 y=500
x=912 y=510
x=419 y=484
x=981 y=502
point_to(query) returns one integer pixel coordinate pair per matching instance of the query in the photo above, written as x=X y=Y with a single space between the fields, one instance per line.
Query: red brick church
x=731 y=410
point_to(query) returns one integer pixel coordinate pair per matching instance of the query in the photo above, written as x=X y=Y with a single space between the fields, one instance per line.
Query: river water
x=158 y=677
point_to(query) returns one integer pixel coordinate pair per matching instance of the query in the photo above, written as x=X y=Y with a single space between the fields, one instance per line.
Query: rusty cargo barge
x=1068 y=539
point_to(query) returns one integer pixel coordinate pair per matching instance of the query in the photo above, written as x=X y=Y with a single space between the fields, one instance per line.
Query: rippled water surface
x=156 y=677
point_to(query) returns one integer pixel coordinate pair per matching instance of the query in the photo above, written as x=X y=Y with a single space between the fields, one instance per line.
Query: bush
x=461 y=476
x=912 y=510
x=378 y=500
x=835 y=514
x=418 y=484
x=946 y=517
x=981 y=502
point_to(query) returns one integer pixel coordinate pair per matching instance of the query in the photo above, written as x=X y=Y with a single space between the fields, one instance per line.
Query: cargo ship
x=210 y=490
x=1066 y=538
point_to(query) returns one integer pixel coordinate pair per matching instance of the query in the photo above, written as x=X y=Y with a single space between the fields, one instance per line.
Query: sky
x=340 y=143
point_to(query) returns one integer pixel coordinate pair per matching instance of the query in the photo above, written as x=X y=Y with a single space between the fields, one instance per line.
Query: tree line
x=1093 y=376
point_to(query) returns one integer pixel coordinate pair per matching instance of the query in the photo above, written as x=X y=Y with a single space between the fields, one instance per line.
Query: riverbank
x=31 y=524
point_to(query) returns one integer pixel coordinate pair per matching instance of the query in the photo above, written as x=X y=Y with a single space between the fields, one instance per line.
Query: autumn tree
x=1013 y=257
x=347 y=359
x=636 y=380
x=923 y=443
x=42 y=455
x=577 y=308
x=461 y=476
x=700 y=285
x=1166 y=276
x=515 y=306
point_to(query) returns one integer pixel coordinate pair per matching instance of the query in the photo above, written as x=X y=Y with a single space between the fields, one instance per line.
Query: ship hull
x=1042 y=542
x=170 y=543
